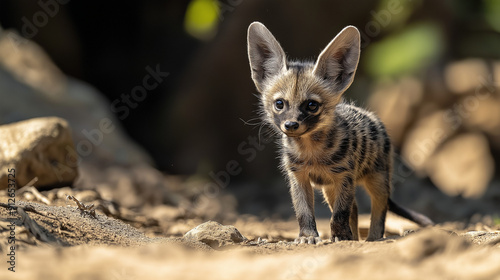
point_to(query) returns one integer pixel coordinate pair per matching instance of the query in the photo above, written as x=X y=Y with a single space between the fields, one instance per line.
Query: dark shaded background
x=194 y=122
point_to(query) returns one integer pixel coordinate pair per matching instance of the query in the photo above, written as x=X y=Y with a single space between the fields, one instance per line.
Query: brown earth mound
x=71 y=241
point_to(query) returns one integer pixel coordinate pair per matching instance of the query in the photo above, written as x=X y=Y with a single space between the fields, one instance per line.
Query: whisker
x=250 y=121
x=260 y=130
x=267 y=133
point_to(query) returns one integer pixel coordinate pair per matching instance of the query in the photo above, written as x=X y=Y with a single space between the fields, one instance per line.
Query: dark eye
x=312 y=106
x=279 y=104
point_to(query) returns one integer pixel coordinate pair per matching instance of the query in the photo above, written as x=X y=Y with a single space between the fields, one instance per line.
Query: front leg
x=303 y=203
x=340 y=198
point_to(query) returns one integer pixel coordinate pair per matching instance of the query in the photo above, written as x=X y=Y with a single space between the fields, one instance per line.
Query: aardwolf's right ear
x=266 y=56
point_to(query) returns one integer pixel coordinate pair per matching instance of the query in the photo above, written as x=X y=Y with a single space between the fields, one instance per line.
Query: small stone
x=215 y=235
x=428 y=242
x=408 y=232
x=482 y=237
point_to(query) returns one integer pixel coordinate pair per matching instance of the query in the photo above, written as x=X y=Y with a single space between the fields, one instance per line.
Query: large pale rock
x=482 y=111
x=425 y=138
x=215 y=235
x=464 y=76
x=464 y=166
x=40 y=147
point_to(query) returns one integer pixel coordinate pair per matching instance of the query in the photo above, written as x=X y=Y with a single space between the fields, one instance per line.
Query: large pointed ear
x=265 y=54
x=337 y=63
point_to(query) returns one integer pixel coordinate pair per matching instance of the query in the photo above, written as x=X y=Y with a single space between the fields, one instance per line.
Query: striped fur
x=326 y=143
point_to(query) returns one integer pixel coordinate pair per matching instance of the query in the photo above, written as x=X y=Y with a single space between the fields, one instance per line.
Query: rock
x=215 y=235
x=32 y=86
x=482 y=237
x=463 y=166
x=428 y=242
x=424 y=139
x=464 y=76
x=37 y=148
x=481 y=111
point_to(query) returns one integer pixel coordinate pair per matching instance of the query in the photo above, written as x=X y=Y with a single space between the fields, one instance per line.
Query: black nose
x=291 y=125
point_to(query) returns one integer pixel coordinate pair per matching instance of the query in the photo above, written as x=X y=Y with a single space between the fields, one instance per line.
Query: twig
x=30 y=188
x=37 y=194
x=27 y=208
x=29 y=223
x=33 y=227
x=84 y=209
x=26 y=187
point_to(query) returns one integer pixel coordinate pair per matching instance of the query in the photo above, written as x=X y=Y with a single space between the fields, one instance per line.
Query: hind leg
x=378 y=187
x=353 y=221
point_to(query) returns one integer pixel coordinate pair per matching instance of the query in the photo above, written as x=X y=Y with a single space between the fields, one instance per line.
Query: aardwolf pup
x=326 y=143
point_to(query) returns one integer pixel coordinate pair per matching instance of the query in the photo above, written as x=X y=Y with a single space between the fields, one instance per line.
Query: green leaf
x=414 y=49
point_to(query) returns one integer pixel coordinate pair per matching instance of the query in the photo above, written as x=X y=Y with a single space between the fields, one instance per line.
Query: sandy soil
x=60 y=241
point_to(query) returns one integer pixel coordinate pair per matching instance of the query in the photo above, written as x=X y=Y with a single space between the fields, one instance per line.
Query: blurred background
x=174 y=77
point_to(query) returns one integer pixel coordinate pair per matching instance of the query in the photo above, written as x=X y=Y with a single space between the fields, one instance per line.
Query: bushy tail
x=409 y=214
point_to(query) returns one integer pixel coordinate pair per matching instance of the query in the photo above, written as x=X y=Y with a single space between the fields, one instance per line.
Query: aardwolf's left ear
x=337 y=63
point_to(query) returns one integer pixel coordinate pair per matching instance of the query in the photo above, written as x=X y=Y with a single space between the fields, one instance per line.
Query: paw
x=341 y=237
x=308 y=240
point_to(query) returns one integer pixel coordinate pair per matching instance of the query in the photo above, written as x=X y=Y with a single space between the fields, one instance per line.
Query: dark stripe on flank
x=343 y=123
x=338 y=169
x=387 y=144
x=380 y=164
x=362 y=152
x=341 y=150
x=354 y=140
x=373 y=130
x=351 y=164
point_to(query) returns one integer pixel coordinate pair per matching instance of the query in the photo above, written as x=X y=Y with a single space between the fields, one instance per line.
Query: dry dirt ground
x=64 y=241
